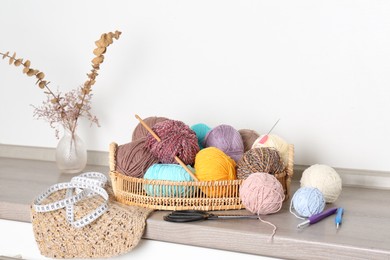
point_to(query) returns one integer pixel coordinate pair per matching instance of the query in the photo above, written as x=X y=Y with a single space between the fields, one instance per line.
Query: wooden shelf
x=363 y=234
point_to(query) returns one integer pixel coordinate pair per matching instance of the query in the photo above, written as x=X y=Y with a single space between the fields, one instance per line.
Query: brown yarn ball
x=248 y=137
x=264 y=159
x=140 y=131
x=133 y=159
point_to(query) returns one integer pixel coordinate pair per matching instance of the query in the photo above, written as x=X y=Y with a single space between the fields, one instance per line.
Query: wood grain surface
x=364 y=233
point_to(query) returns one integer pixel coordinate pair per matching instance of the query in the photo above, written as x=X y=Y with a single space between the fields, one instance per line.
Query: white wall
x=322 y=67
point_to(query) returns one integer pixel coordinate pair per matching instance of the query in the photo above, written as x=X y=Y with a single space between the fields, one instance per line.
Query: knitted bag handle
x=80 y=187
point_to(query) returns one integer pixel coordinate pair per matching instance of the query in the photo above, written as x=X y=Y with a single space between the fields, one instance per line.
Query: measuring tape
x=80 y=187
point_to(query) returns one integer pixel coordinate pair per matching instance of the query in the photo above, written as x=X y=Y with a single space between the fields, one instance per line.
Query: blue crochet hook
x=339 y=217
x=317 y=217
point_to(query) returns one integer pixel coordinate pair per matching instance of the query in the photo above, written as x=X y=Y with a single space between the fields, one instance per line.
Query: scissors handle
x=188 y=216
x=180 y=219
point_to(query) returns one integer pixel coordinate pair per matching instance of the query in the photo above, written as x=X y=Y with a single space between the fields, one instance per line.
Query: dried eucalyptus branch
x=67 y=108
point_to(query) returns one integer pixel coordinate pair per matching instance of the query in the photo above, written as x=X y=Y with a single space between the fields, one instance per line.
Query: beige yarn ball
x=324 y=178
x=275 y=141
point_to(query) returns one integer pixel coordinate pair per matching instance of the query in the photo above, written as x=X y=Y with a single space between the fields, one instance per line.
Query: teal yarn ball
x=308 y=201
x=200 y=130
x=167 y=172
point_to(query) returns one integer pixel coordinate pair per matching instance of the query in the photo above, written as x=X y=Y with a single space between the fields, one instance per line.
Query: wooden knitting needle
x=159 y=140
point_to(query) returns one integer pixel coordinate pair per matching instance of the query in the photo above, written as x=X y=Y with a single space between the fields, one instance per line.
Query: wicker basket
x=221 y=195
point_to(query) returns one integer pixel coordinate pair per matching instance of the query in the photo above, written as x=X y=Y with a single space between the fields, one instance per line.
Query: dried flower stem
x=43 y=84
x=56 y=100
x=105 y=40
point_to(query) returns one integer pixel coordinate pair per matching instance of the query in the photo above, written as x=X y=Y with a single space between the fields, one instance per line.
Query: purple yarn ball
x=227 y=139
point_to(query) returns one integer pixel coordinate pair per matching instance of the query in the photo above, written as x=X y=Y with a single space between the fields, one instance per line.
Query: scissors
x=181 y=216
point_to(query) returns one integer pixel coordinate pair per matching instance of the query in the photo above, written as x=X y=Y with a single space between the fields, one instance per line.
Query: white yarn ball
x=324 y=178
x=276 y=142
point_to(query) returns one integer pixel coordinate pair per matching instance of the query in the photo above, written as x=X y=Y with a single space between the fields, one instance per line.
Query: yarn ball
x=273 y=141
x=212 y=164
x=227 y=139
x=200 y=130
x=262 y=194
x=140 y=131
x=248 y=137
x=262 y=159
x=308 y=201
x=324 y=178
x=167 y=172
x=133 y=159
x=177 y=139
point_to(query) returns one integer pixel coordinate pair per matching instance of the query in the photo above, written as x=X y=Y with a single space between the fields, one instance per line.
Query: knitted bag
x=117 y=229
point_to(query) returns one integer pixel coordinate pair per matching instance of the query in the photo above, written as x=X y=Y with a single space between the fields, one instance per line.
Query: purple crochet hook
x=317 y=217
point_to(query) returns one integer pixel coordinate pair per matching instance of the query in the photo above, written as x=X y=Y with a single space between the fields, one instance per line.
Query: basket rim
x=116 y=173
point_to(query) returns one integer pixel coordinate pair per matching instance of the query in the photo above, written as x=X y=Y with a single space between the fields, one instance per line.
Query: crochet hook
x=339 y=217
x=317 y=217
x=265 y=137
x=159 y=140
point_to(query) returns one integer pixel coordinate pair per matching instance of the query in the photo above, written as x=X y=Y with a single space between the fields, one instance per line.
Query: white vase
x=71 y=153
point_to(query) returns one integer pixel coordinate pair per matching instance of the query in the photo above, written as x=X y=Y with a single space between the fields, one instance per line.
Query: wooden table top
x=364 y=233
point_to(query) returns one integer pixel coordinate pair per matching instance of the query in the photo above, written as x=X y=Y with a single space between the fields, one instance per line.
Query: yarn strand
x=273 y=226
x=291 y=203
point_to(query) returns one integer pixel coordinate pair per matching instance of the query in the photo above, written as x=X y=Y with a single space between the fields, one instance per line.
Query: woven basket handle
x=112 y=156
x=290 y=169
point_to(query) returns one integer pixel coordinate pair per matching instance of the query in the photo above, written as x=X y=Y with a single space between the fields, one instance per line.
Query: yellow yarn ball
x=273 y=141
x=212 y=164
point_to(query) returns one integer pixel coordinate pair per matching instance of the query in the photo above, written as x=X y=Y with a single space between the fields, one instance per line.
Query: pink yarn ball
x=177 y=139
x=261 y=193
